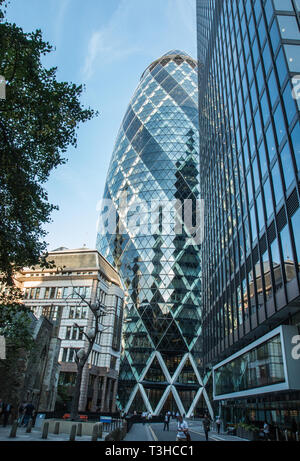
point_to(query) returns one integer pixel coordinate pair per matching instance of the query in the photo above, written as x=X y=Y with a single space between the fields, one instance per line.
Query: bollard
x=277 y=434
x=100 y=431
x=56 y=427
x=286 y=435
x=79 y=429
x=73 y=433
x=13 y=431
x=45 y=430
x=29 y=426
x=297 y=436
x=95 y=433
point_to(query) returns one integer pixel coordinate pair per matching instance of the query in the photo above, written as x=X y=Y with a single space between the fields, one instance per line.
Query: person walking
x=183 y=434
x=166 y=422
x=7 y=407
x=1 y=408
x=218 y=423
x=21 y=411
x=206 y=426
x=28 y=413
x=266 y=431
x=144 y=415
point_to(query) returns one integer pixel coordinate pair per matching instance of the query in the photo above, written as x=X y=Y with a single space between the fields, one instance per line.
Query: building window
x=116 y=341
x=51 y=312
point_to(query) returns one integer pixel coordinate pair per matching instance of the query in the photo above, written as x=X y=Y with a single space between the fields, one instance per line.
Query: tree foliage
x=15 y=321
x=38 y=121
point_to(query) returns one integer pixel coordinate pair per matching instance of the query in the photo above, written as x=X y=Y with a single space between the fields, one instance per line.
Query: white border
x=263 y=389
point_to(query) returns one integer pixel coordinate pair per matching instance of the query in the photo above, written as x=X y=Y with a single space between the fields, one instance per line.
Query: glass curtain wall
x=155 y=164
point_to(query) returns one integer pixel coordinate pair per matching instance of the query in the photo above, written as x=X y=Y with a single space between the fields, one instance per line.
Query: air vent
x=263 y=244
x=255 y=255
x=271 y=233
x=178 y=60
x=281 y=219
x=165 y=61
x=248 y=264
x=191 y=63
x=292 y=203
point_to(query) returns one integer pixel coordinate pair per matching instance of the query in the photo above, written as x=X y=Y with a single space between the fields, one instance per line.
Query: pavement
x=153 y=432
x=148 y=432
x=36 y=436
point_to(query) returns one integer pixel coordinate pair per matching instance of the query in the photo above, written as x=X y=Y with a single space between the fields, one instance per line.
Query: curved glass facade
x=155 y=166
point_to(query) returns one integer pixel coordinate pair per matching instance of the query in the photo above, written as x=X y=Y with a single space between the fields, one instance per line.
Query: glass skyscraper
x=155 y=164
x=249 y=177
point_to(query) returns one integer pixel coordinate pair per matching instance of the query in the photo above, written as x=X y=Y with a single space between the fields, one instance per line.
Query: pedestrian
x=21 y=411
x=7 y=407
x=28 y=413
x=183 y=434
x=266 y=431
x=218 y=423
x=166 y=421
x=177 y=415
x=1 y=408
x=206 y=426
x=144 y=415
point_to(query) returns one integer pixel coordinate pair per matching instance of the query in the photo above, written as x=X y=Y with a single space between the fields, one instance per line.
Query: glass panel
x=261 y=366
x=296 y=226
x=287 y=254
x=293 y=57
x=288 y=27
x=279 y=124
x=295 y=136
x=287 y=166
x=277 y=184
x=268 y=198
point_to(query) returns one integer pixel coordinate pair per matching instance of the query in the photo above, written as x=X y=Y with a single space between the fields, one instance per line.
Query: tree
x=99 y=311
x=38 y=121
x=15 y=327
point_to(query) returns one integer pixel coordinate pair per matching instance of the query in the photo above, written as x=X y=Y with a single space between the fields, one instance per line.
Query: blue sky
x=106 y=45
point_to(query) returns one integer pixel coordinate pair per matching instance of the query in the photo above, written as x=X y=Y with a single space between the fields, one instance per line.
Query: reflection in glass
x=261 y=366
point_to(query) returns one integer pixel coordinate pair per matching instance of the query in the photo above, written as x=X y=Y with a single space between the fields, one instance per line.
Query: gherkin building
x=155 y=166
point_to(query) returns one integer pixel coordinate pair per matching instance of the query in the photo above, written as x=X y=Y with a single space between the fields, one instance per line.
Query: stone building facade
x=57 y=295
x=32 y=376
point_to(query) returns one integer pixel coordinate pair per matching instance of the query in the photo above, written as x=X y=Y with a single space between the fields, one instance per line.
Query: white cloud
x=60 y=18
x=142 y=26
x=111 y=43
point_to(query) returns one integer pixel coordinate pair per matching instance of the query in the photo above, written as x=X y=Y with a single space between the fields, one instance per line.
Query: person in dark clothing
x=7 y=407
x=21 y=410
x=218 y=423
x=206 y=426
x=166 y=422
x=28 y=413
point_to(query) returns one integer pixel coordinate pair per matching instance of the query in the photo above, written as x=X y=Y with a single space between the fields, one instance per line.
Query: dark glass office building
x=249 y=52
x=155 y=163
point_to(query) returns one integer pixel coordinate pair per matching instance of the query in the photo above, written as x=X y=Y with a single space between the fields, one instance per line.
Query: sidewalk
x=153 y=432
x=36 y=436
x=139 y=433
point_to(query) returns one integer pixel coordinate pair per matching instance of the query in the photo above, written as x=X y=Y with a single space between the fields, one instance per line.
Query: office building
x=155 y=164
x=249 y=168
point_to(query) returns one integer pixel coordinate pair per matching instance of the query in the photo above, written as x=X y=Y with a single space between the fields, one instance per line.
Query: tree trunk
x=76 y=396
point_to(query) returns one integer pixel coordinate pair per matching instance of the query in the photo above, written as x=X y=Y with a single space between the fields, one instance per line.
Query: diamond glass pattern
x=156 y=158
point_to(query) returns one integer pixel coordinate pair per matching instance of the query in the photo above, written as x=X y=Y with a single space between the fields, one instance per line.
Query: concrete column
x=103 y=394
x=95 y=394
x=115 y=388
x=108 y=394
